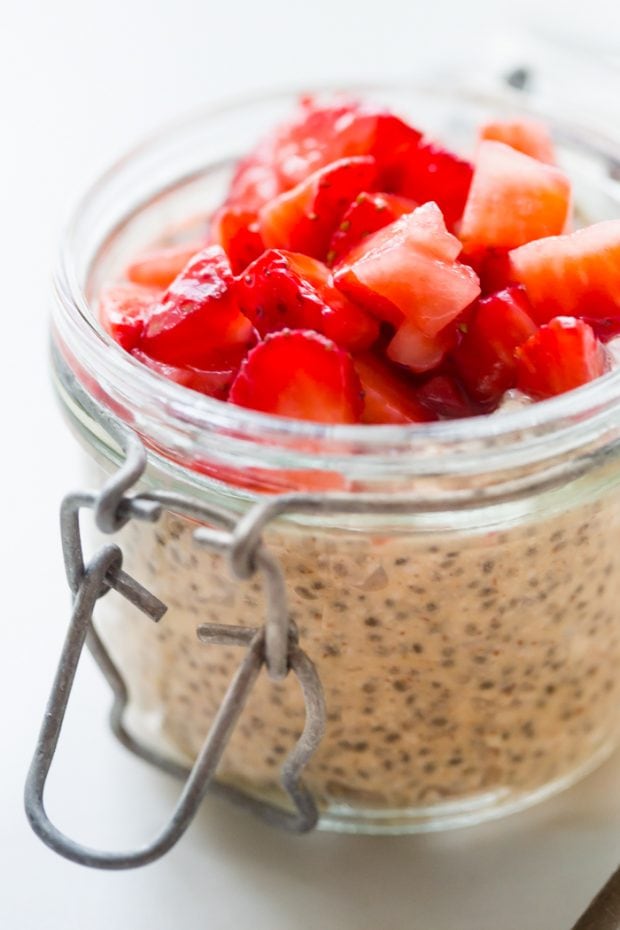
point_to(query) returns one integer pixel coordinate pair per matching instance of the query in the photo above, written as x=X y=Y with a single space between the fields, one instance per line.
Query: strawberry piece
x=288 y=290
x=574 y=275
x=493 y=267
x=159 y=267
x=123 y=310
x=513 y=199
x=562 y=355
x=299 y=374
x=236 y=230
x=408 y=270
x=197 y=321
x=213 y=383
x=434 y=173
x=316 y=136
x=444 y=397
x=304 y=218
x=525 y=135
x=485 y=358
x=418 y=351
x=389 y=397
x=367 y=214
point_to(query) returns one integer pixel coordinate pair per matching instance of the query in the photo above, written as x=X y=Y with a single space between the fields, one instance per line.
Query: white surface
x=79 y=81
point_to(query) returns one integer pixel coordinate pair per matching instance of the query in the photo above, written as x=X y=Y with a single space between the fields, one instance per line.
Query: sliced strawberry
x=159 y=267
x=236 y=230
x=418 y=351
x=317 y=135
x=408 y=270
x=562 y=355
x=434 y=173
x=197 y=321
x=444 y=397
x=389 y=397
x=367 y=214
x=304 y=218
x=123 y=310
x=213 y=383
x=574 y=275
x=287 y=290
x=299 y=374
x=493 y=268
x=513 y=199
x=525 y=135
x=485 y=358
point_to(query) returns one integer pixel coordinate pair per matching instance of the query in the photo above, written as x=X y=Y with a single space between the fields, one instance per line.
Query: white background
x=79 y=82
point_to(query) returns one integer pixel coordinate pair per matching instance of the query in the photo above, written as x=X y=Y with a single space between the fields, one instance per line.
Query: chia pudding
x=459 y=668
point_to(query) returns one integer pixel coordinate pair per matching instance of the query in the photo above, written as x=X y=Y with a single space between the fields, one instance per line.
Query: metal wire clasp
x=274 y=644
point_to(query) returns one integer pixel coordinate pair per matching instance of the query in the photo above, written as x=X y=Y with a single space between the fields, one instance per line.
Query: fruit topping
x=367 y=214
x=434 y=173
x=123 y=310
x=529 y=136
x=562 y=355
x=159 y=267
x=299 y=374
x=236 y=230
x=389 y=396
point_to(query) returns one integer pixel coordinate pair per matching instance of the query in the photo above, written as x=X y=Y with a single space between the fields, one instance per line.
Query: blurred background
x=80 y=82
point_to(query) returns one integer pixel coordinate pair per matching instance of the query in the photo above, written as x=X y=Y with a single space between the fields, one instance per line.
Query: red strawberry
x=236 y=230
x=418 y=351
x=123 y=310
x=525 y=135
x=288 y=290
x=299 y=374
x=493 y=268
x=159 y=267
x=574 y=275
x=513 y=199
x=444 y=397
x=197 y=321
x=389 y=397
x=485 y=358
x=303 y=219
x=213 y=383
x=367 y=214
x=562 y=355
x=408 y=270
x=434 y=173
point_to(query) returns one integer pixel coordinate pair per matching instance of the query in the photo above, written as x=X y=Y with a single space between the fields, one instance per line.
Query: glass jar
x=468 y=650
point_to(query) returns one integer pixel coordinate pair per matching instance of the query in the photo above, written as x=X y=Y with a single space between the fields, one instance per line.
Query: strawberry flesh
x=213 y=383
x=236 y=230
x=197 y=321
x=159 y=267
x=434 y=173
x=123 y=311
x=562 y=355
x=445 y=398
x=299 y=374
x=367 y=214
x=389 y=396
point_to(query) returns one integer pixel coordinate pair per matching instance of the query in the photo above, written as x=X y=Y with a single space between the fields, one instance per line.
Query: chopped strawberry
x=418 y=351
x=213 y=383
x=317 y=135
x=367 y=214
x=236 y=230
x=562 y=355
x=159 y=267
x=197 y=321
x=299 y=374
x=485 y=358
x=574 y=275
x=408 y=270
x=123 y=310
x=444 y=397
x=493 y=268
x=287 y=290
x=525 y=135
x=389 y=397
x=434 y=173
x=304 y=218
x=513 y=199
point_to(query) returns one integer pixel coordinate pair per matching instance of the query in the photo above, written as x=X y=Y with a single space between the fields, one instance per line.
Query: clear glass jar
x=469 y=651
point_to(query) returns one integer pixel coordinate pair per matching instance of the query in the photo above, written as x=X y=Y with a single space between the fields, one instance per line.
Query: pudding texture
x=470 y=667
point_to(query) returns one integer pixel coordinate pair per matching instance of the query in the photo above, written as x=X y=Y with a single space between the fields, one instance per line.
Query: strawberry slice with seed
x=123 y=311
x=367 y=214
x=197 y=322
x=303 y=219
x=299 y=374
x=435 y=174
x=236 y=230
x=562 y=355
x=287 y=290
x=389 y=396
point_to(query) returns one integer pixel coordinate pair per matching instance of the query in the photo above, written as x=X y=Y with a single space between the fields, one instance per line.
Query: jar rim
x=524 y=430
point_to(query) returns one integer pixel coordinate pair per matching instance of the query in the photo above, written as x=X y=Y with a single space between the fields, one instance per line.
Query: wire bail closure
x=274 y=645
